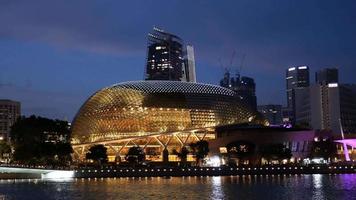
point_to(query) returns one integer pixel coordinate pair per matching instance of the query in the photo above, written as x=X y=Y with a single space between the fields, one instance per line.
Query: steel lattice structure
x=156 y=114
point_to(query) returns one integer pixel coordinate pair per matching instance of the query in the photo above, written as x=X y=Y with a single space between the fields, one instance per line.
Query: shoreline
x=118 y=172
x=212 y=171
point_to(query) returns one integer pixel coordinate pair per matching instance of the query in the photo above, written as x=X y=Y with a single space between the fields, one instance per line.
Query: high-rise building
x=327 y=75
x=326 y=106
x=190 y=65
x=296 y=78
x=168 y=58
x=244 y=86
x=273 y=113
x=10 y=111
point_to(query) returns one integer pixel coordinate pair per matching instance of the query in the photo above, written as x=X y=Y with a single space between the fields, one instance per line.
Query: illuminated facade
x=155 y=115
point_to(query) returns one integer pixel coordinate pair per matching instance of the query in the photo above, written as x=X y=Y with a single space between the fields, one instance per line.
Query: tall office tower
x=324 y=106
x=190 y=65
x=244 y=86
x=168 y=58
x=165 y=56
x=246 y=89
x=327 y=75
x=10 y=111
x=296 y=78
x=273 y=113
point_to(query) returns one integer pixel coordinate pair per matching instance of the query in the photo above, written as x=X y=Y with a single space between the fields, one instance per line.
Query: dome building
x=156 y=115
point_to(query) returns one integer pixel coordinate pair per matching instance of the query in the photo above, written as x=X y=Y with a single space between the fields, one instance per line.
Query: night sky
x=55 y=54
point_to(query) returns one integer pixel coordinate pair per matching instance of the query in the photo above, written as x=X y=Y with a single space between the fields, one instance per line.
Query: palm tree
x=182 y=155
x=135 y=155
x=200 y=150
x=98 y=153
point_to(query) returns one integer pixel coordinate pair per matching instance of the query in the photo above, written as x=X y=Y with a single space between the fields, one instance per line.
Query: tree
x=64 y=151
x=243 y=150
x=135 y=155
x=29 y=136
x=97 y=153
x=200 y=150
x=182 y=155
x=275 y=152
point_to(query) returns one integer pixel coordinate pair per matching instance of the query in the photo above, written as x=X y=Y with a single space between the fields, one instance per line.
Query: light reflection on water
x=229 y=187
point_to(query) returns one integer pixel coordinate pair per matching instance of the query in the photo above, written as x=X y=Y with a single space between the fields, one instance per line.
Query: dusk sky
x=55 y=54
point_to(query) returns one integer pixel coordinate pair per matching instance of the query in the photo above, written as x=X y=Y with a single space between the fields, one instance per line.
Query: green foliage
x=182 y=155
x=135 y=155
x=200 y=150
x=28 y=136
x=275 y=152
x=97 y=153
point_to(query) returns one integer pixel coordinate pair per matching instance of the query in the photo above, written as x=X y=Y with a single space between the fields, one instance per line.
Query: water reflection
x=318 y=186
x=216 y=190
x=230 y=187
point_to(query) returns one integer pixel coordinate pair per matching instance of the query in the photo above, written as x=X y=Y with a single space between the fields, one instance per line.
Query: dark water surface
x=230 y=187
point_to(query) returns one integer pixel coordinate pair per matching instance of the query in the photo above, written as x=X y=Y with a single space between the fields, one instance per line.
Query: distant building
x=190 y=65
x=326 y=106
x=10 y=111
x=287 y=115
x=273 y=113
x=326 y=76
x=244 y=86
x=296 y=78
x=168 y=58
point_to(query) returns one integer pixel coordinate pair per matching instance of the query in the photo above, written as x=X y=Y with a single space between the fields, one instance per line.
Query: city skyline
x=52 y=62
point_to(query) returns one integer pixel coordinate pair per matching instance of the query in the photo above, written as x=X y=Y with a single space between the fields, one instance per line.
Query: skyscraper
x=327 y=75
x=324 y=106
x=327 y=104
x=244 y=86
x=168 y=58
x=297 y=78
x=190 y=65
x=10 y=111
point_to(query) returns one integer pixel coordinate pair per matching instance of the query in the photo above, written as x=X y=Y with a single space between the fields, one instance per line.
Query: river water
x=230 y=187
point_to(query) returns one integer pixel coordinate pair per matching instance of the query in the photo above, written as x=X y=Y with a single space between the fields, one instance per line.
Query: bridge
x=19 y=172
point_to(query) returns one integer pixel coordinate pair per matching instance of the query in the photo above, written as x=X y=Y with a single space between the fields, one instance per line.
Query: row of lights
x=212 y=169
x=83 y=179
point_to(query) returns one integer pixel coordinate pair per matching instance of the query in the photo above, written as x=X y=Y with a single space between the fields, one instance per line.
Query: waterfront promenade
x=110 y=172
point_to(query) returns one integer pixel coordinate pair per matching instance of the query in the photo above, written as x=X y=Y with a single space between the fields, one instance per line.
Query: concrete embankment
x=211 y=171
x=13 y=172
x=19 y=176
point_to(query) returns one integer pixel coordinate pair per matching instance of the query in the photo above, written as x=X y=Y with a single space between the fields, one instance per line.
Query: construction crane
x=241 y=65
x=230 y=66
